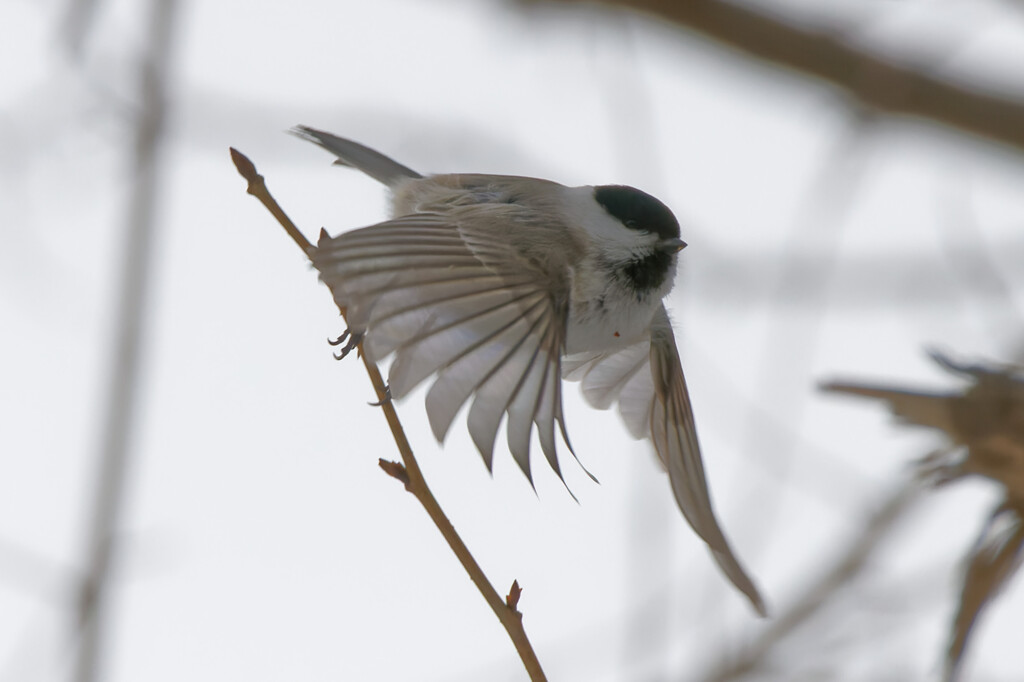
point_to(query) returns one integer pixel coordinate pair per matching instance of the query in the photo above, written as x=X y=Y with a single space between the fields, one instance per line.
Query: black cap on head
x=637 y=210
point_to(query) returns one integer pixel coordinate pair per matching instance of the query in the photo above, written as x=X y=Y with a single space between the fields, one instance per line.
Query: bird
x=498 y=287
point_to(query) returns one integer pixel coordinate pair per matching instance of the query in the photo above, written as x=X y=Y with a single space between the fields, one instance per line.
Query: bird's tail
x=355 y=155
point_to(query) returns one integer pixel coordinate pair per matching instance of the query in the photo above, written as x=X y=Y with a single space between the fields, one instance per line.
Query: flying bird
x=501 y=286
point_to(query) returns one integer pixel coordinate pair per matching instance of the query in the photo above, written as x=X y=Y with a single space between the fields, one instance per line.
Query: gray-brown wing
x=452 y=297
x=647 y=380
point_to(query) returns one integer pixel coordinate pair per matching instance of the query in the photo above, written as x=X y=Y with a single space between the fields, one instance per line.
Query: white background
x=260 y=540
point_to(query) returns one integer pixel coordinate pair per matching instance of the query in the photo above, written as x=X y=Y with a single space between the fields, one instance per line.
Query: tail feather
x=924 y=409
x=349 y=153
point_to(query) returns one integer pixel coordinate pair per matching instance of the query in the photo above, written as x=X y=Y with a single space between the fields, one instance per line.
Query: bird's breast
x=607 y=323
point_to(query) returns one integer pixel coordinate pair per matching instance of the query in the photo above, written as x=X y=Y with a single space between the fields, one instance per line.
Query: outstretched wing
x=451 y=295
x=647 y=380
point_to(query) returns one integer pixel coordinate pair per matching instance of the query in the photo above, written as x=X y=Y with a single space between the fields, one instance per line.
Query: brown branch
x=996 y=556
x=410 y=474
x=879 y=85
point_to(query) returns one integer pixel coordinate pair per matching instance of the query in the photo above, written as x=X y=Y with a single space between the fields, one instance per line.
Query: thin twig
x=122 y=400
x=410 y=474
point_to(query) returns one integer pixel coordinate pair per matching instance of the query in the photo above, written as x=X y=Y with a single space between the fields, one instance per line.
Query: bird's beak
x=674 y=245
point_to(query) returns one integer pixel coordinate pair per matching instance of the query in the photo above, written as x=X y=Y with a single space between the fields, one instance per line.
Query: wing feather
x=521 y=410
x=623 y=375
x=674 y=434
x=431 y=338
x=462 y=375
x=607 y=380
x=493 y=399
x=647 y=379
x=451 y=297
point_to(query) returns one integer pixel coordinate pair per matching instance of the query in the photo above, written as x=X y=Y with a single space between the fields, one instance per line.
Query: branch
x=122 y=400
x=78 y=21
x=817 y=593
x=996 y=556
x=877 y=84
x=410 y=474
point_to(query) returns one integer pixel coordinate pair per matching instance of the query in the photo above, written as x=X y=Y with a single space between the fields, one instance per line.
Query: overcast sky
x=261 y=542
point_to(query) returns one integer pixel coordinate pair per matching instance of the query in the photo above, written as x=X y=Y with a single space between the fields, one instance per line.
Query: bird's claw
x=383 y=401
x=353 y=341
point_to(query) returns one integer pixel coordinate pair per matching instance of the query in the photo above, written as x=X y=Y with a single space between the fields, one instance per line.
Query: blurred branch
x=827 y=199
x=891 y=279
x=996 y=556
x=410 y=474
x=817 y=594
x=78 y=21
x=133 y=289
x=984 y=423
x=985 y=427
x=867 y=78
x=970 y=261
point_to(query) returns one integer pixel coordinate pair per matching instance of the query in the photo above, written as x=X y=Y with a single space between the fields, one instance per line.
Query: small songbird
x=500 y=287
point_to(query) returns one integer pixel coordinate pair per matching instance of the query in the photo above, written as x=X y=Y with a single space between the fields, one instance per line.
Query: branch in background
x=970 y=259
x=996 y=556
x=77 y=24
x=877 y=84
x=984 y=424
x=410 y=474
x=817 y=594
x=122 y=399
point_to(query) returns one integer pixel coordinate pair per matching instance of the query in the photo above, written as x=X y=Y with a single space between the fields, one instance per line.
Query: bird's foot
x=351 y=341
